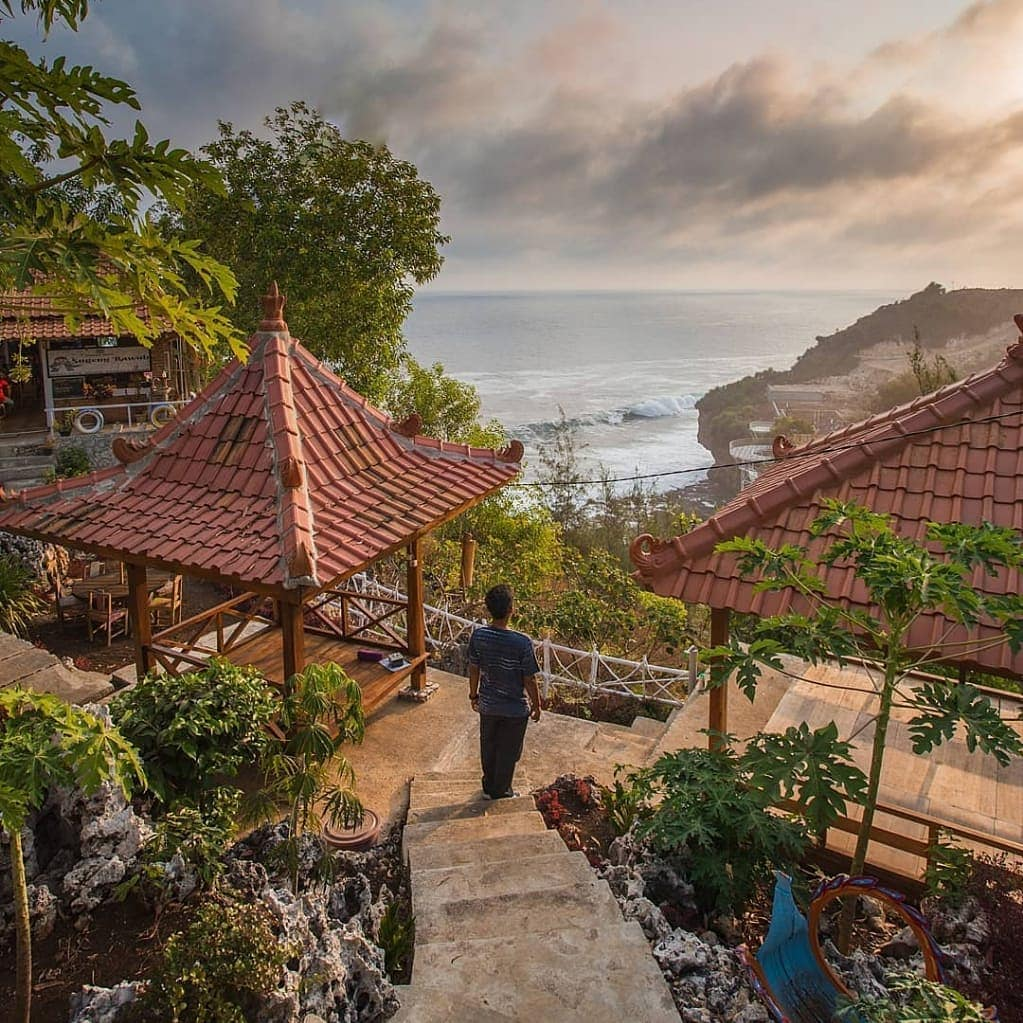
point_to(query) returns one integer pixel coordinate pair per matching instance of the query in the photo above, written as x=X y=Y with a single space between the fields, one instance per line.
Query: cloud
x=526 y=120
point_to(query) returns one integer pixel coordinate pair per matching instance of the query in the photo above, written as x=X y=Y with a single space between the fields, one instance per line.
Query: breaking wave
x=660 y=407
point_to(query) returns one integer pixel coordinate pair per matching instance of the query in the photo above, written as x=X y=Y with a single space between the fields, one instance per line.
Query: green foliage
x=217 y=970
x=904 y=579
x=343 y=227
x=788 y=426
x=71 y=460
x=199 y=835
x=321 y=711
x=812 y=767
x=396 y=935
x=949 y=870
x=18 y=602
x=916 y=1000
x=706 y=809
x=625 y=803
x=449 y=409
x=81 y=233
x=46 y=742
x=192 y=729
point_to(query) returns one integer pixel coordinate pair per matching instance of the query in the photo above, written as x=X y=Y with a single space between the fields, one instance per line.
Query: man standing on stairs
x=502 y=672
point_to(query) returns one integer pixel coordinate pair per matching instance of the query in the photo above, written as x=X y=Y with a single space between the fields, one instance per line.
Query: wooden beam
x=718 y=718
x=416 y=614
x=293 y=638
x=138 y=613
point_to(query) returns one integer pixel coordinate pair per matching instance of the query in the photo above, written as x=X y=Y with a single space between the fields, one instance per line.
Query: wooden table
x=110 y=582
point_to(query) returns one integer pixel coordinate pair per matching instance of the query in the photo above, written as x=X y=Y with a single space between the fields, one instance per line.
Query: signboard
x=75 y=362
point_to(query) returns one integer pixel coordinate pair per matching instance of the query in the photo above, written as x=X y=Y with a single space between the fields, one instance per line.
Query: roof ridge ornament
x=273 y=311
x=512 y=453
x=409 y=426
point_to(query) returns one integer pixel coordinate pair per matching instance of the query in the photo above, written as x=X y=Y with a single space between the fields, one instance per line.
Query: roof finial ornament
x=273 y=310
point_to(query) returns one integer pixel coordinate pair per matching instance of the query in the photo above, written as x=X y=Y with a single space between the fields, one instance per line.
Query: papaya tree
x=904 y=580
x=46 y=742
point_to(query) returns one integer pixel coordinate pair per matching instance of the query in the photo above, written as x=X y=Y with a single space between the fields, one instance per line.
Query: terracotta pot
x=362 y=836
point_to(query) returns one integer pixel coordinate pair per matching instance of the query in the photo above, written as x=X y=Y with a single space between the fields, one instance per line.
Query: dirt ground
x=72 y=641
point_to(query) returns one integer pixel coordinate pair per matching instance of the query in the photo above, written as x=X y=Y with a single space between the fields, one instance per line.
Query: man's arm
x=474 y=685
x=533 y=691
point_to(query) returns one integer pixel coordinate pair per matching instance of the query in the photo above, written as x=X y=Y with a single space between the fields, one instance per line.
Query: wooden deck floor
x=264 y=651
x=951 y=783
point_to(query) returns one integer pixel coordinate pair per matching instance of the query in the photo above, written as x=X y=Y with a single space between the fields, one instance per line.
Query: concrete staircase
x=24 y=459
x=510 y=924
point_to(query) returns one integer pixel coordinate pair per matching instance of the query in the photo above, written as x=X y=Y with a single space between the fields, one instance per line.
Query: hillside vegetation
x=934 y=315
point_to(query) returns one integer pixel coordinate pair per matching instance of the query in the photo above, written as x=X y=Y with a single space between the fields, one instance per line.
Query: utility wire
x=759 y=461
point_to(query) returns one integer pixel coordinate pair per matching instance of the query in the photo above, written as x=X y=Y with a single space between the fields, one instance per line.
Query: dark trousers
x=500 y=748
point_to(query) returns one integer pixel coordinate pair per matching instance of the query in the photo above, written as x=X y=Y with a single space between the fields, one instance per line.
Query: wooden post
x=719 y=695
x=415 y=613
x=292 y=638
x=141 y=623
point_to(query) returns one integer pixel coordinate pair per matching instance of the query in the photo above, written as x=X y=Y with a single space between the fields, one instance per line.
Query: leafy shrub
x=624 y=804
x=216 y=970
x=396 y=935
x=916 y=1000
x=191 y=729
x=70 y=460
x=948 y=873
x=18 y=602
x=198 y=836
x=710 y=815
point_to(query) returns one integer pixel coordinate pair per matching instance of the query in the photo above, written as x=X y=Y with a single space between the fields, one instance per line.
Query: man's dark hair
x=499 y=601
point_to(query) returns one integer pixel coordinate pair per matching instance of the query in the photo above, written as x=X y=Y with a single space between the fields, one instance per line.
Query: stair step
x=452 y=776
x=585 y=904
x=466 y=811
x=576 y=975
x=482 y=851
x=649 y=727
x=435 y=793
x=488 y=880
x=441 y=832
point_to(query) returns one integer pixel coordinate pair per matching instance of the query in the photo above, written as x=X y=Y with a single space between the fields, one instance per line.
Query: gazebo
x=955 y=455
x=281 y=482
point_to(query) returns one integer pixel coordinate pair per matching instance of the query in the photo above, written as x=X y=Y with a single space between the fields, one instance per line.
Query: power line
x=758 y=461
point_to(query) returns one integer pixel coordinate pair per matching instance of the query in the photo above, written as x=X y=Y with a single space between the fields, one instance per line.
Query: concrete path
x=511 y=925
x=22 y=664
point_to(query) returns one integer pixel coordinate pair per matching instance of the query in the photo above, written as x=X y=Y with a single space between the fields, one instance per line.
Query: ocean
x=625 y=367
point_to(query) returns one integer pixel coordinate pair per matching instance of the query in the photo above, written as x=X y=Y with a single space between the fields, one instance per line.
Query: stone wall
x=98 y=445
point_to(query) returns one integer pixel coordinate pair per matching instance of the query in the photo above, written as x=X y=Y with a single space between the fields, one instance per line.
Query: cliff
x=935 y=315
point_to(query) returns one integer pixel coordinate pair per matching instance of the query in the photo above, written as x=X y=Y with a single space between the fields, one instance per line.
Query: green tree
x=73 y=220
x=904 y=580
x=449 y=408
x=343 y=227
x=45 y=742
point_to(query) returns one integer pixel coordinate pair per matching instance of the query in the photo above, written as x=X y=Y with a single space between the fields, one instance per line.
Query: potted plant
x=65 y=423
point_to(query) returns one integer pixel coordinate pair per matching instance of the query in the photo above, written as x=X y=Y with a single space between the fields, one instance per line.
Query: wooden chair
x=106 y=616
x=165 y=605
x=67 y=606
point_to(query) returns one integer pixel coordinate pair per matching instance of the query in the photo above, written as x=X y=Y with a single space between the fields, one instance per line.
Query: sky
x=680 y=144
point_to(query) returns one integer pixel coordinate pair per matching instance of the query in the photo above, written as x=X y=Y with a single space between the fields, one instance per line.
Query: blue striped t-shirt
x=505 y=658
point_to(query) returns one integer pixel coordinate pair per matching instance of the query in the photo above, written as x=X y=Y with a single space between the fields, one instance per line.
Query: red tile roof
x=24 y=314
x=955 y=455
x=277 y=474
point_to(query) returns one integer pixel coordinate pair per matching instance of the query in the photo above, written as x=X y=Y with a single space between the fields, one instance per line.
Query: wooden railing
x=921 y=847
x=366 y=617
x=181 y=645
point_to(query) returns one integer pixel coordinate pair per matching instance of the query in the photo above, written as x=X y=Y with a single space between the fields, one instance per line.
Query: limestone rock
x=103 y=1004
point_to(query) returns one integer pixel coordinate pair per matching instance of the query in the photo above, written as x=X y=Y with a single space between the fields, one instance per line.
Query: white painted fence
x=587 y=669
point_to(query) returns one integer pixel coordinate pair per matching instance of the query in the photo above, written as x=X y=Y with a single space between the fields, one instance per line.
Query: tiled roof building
x=955 y=455
x=277 y=478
